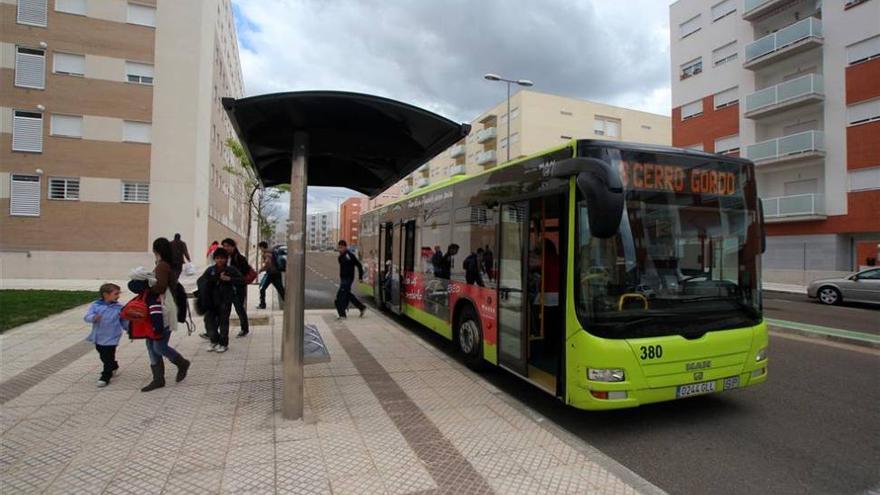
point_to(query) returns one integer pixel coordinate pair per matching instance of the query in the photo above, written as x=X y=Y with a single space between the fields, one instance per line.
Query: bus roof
x=599 y=143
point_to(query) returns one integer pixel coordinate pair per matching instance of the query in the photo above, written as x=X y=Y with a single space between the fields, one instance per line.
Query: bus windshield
x=686 y=257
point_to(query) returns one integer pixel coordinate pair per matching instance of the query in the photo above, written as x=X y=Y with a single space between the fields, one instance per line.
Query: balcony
x=790 y=94
x=406 y=189
x=456 y=170
x=422 y=182
x=456 y=151
x=794 y=208
x=486 y=157
x=486 y=134
x=753 y=9
x=798 y=37
x=792 y=148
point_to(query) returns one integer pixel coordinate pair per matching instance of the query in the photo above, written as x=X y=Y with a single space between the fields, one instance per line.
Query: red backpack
x=137 y=313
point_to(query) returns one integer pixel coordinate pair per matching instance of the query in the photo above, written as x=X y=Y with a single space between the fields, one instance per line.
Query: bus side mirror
x=600 y=184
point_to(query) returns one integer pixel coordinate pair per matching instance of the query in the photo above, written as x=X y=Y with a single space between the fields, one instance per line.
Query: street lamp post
x=521 y=82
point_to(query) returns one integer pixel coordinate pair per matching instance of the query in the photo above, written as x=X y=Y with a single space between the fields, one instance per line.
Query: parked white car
x=863 y=287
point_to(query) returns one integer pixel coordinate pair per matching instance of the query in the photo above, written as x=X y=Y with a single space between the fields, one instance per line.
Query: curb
x=818 y=332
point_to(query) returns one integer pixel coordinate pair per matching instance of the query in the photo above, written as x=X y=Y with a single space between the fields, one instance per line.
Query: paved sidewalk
x=791 y=288
x=388 y=414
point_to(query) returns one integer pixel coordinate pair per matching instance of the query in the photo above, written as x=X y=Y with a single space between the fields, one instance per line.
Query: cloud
x=433 y=54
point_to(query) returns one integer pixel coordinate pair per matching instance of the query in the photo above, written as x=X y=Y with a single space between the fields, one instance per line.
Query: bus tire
x=469 y=338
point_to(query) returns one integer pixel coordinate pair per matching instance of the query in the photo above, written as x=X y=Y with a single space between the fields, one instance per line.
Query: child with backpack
x=107 y=328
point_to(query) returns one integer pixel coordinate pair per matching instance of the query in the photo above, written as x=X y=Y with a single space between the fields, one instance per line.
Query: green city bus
x=607 y=274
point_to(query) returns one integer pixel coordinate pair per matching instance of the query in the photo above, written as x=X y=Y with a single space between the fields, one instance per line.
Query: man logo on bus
x=698 y=376
x=698 y=365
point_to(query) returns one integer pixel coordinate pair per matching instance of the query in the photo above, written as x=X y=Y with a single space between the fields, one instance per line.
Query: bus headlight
x=605 y=374
x=761 y=355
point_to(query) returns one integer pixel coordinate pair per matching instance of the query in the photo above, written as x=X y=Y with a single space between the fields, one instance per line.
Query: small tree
x=261 y=203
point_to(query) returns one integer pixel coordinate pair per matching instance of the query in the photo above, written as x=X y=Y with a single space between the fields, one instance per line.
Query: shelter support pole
x=294 y=301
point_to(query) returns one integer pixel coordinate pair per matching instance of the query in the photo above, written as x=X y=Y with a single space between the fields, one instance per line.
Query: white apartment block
x=793 y=85
x=320 y=228
x=112 y=133
x=537 y=121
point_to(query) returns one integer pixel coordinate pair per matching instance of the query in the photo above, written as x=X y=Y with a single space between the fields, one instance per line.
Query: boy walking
x=216 y=294
x=347 y=263
x=107 y=328
x=272 y=276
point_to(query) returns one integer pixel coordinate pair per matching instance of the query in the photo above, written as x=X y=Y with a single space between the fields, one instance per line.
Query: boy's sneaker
x=212 y=348
x=221 y=349
x=261 y=306
x=340 y=318
x=363 y=310
x=101 y=384
x=242 y=334
x=204 y=336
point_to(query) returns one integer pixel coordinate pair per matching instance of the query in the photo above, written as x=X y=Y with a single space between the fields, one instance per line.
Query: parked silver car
x=863 y=287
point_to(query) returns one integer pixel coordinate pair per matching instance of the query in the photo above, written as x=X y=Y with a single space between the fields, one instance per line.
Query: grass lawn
x=18 y=307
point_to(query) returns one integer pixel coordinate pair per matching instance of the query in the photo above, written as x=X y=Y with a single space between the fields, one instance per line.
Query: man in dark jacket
x=347 y=263
x=179 y=254
x=216 y=296
x=240 y=263
x=472 y=267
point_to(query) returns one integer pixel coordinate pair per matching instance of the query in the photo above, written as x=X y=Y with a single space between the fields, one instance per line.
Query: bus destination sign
x=676 y=178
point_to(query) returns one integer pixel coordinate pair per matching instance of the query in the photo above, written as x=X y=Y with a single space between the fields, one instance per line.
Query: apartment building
x=112 y=133
x=793 y=85
x=537 y=121
x=387 y=196
x=350 y=215
x=318 y=230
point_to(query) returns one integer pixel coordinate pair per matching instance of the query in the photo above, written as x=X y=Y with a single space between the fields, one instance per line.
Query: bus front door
x=512 y=338
x=386 y=267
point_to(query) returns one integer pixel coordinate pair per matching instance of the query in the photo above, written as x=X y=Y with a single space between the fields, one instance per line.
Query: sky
x=434 y=54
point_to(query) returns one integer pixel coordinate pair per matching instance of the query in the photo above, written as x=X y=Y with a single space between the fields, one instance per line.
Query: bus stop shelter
x=328 y=138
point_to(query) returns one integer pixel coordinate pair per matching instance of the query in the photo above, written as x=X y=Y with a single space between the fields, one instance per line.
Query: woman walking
x=166 y=280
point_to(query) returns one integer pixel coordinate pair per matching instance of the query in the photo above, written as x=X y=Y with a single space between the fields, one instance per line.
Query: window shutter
x=79 y=7
x=69 y=63
x=599 y=127
x=863 y=50
x=612 y=128
x=141 y=14
x=135 y=192
x=30 y=68
x=864 y=179
x=689 y=26
x=692 y=109
x=727 y=97
x=27 y=132
x=32 y=12
x=24 y=195
x=136 y=132
x=721 y=9
x=865 y=111
x=139 y=73
x=725 y=53
x=67 y=125
x=727 y=144
x=60 y=188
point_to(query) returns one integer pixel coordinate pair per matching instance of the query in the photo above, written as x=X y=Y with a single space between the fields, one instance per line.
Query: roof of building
x=362 y=142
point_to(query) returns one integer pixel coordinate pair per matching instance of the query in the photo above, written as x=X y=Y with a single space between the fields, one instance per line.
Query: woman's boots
x=182 y=367
x=158 y=376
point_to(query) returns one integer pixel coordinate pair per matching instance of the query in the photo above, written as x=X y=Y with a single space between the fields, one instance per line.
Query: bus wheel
x=470 y=338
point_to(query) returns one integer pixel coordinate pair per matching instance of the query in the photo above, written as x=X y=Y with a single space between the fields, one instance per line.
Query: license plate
x=694 y=389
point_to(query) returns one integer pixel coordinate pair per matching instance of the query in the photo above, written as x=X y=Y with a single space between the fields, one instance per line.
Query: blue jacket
x=108 y=330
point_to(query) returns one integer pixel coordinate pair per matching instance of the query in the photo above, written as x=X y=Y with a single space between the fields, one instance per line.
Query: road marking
x=826 y=331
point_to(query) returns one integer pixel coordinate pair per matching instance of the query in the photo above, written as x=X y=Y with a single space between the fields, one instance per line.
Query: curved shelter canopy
x=362 y=142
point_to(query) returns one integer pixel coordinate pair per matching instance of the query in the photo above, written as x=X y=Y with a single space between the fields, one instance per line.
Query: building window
x=729 y=144
x=696 y=147
x=606 y=126
x=646 y=127
x=136 y=132
x=689 y=26
x=724 y=54
x=691 y=68
x=565 y=137
x=864 y=179
x=30 y=68
x=862 y=112
x=726 y=98
x=66 y=125
x=139 y=73
x=32 y=12
x=723 y=9
x=852 y=3
x=78 y=7
x=24 y=195
x=135 y=192
x=64 y=188
x=69 y=64
x=691 y=110
x=27 y=131
x=566 y=113
x=514 y=113
x=863 y=51
x=142 y=15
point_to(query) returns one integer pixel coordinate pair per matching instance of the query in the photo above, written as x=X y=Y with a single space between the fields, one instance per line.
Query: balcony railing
x=456 y=151
x=406 y=189
x=787 y=146
x=807 y=28
x=456 y=170
x=485 y=157
x=794 y=206
x=486 y=134
x=422 y=182
x=802 y=87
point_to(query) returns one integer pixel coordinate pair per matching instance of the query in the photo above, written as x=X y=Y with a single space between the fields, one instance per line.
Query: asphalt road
x=813 y=427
